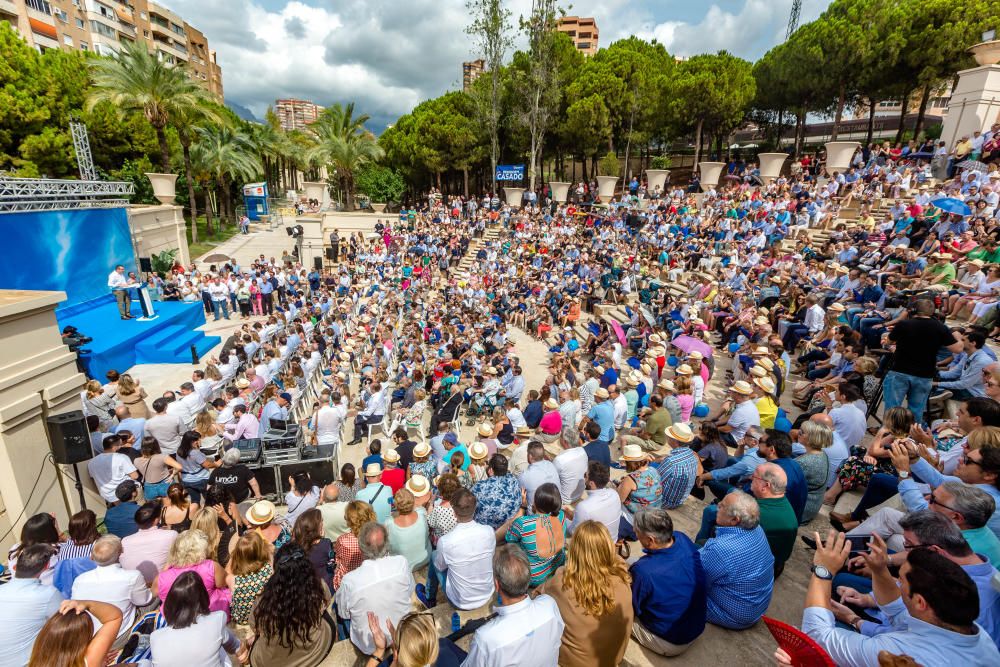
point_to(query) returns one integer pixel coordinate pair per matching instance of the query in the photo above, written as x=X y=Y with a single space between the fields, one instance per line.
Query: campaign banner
x=510 y=172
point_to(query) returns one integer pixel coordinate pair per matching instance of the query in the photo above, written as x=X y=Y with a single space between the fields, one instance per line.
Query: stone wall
x=158 y=228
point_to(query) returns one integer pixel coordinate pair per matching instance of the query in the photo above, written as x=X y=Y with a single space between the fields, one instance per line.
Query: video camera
x=75 y=340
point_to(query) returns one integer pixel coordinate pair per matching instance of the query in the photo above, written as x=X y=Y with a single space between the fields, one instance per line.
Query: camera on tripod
x=75 y=340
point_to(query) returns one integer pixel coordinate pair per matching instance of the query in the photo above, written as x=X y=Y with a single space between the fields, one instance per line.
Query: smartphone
x=859 y=543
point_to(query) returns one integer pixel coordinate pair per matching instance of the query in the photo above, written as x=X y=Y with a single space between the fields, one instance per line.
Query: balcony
x=7 y=9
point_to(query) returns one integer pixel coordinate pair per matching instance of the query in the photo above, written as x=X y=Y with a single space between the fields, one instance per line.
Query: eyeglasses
x=967 y=461
x=935 y=501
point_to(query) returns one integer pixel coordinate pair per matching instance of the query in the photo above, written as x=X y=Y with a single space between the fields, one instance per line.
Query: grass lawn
x=208 y=241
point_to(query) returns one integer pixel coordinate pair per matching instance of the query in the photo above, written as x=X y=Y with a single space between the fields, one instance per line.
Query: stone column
x=710 y=173
x=975 y=102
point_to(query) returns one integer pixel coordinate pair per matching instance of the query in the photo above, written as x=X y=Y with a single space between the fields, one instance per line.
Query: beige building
x=103 y=26
x=471 y=71
x=296 y=114
x=583 y=31
x=937 y=104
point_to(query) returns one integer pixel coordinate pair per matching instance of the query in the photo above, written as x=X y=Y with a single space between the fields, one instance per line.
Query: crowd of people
x=546 y=509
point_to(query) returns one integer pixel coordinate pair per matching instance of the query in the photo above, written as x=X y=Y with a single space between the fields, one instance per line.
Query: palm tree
x=136 y=79
x=224 y=154
x=186 y=120
x=343 y=143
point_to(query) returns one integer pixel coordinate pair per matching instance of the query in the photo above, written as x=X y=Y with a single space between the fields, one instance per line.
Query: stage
x=120 y=344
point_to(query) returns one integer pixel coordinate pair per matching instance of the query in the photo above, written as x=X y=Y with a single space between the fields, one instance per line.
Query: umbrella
x=952 y=205
x=921 y=155
x=617 y=328
x=648 y=317
x=216 y=257
x=687 y=344
x=973 y=165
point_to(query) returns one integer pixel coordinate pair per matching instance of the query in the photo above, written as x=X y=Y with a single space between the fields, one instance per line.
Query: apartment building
x=103 y=26
x=583 y=31
x=471 y=71
x=296 y=114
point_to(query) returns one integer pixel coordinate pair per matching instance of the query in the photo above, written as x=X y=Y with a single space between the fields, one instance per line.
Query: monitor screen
x=278 y=424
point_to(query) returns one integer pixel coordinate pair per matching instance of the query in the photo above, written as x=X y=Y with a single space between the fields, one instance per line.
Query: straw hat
x=343 y=356
x=760 y=321
x=843 y=269
x=602 y=393
x=741 y=387
x=479 y=451
x=631 y=380
x=655 y=338
x=758 y=372
x=242 y=383
x=766 y=363
x=599 y=370
x=418 y=485
x=680 y=432
x=837 y=308
x=490 y=371
x=373 y=470
x=659 y=350
x=391 y=456
x=485 y=429
x=260 y=512
x=632 y=453
x=421 y=449
x=645 y=368
x=978 y=263
x=666 y=384
x=767 y=384
x=550 y=404
x=696 y=355
x=760 y=351
x=684 y=369
x=523 y=430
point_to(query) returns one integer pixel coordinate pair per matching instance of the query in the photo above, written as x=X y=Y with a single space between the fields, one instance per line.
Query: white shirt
x=620 y=405
x=167 y=429
x=814 y=319
x=203 y=388
x=602 y=505
x=850 y=423
x=383 y=586
x=117 y=280
x=466 y=554
x=527 y=634
x=219 y=292
x=125 y=589
x=328 y=422
x=571 y=466
x=108 y=470
x=743 y=417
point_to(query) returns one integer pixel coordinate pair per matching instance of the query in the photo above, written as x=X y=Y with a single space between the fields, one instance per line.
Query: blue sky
x=388 y=55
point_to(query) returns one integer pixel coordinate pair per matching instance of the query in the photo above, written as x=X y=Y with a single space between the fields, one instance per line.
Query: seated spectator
x=126 y=589
x=302 y=496
x=738 y=564
x=333 y=510
x=69 y=637
x=26 y=604
x=382 y=585
x=194 y=634
x=177 y=510
x=376 y=493
x=597 y=449
x=236 y=477
x=571 y=464
x=601 y=504
x=249 y=568
x=499 y=496
x=347 y=553
x=408 y=536
x=678 y=466
x=120 y=517
x=540 y=471
x=147 y=549
x=541 y=533
x=668 y=586
x=39 y=529
x=465 y=554
x=110 y=468
x=308 y=534
x=290 y=622
x=526 y=631
x=594 y=599
x=414 y=642
x=260 y=518
x=777 y=517
x=83 y=533
x=191 y=552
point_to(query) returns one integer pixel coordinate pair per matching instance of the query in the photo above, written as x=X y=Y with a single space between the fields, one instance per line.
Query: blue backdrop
x=73 y=251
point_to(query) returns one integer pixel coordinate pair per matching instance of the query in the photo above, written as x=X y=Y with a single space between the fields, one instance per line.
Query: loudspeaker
x=329 y=254
x=320 y=471
x=146 y=264
x=69 y=438
x=265 y=480
x=318 y=263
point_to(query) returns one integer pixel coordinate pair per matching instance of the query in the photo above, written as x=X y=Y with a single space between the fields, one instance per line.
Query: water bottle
x=456 y=622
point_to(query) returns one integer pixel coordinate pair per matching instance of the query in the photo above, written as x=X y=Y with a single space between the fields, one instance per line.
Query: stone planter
x=560 y=191
x=770 y=165
x=710 y=173
x=606 y=187
x=656 y=177
x=164 y=187
x=378 y=208
x=839 y=154
x=986 y=53
x=315 y=190
x=513 y=196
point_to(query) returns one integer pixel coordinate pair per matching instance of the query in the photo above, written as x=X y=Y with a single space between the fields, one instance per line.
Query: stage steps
x=172 y=345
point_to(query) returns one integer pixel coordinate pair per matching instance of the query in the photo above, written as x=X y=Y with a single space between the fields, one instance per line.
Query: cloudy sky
x=389 y=55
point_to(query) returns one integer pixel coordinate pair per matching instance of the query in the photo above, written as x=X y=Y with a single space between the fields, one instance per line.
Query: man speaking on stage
x=119 y=285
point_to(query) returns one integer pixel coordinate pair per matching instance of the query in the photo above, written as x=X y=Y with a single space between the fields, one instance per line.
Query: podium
x=148 y=312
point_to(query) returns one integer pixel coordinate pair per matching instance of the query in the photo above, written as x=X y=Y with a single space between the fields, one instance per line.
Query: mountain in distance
x=242 y=112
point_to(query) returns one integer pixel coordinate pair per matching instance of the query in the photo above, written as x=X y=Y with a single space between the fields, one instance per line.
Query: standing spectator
x=668 y=586
x=109 y=469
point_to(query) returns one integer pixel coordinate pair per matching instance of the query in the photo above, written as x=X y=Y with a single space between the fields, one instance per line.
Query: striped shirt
x=739 y=576
x=543 y=539
x=677 y=476
x=70 y=549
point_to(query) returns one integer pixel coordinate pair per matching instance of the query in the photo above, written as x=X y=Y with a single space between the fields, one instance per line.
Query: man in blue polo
x=603 y=414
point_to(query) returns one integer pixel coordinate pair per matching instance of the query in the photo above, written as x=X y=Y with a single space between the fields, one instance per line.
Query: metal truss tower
x=81 y=146
x=793 y=18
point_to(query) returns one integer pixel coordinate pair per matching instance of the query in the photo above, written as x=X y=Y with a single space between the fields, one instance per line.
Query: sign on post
x=510 y=172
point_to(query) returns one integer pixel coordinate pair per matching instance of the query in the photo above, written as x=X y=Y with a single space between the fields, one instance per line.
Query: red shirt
x=394 y=479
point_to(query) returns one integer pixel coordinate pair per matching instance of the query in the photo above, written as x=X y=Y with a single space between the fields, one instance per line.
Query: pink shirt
x=218 y=598
x=551 y=423
x=147 y=551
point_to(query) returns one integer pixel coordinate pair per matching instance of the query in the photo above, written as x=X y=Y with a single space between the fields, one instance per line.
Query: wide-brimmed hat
x=343 y=356
x=767 y=384
x=260 y=512
x=602 y=393
x=680 y=432
x=696 y=355
x=391 y=456
x=741 y=387
x=654 y=338
x=667 y=384
x=490 y=371
x=633 y=380
x=836 y=308
x=373 y=470
x=760 y=351
x=523 y=430
x=633 y=453
x=242 y=383
x=760 y=320
x=758 y=371
x=485 y=429
x=421 y=449
x=550 y=404
x=766 y=363
x=418 y=485
x=684 y=369
x=479 y=450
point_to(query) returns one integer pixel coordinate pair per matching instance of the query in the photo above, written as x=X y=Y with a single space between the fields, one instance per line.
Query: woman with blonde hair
x=191 y=552
x=211 y=431
x=133 y=396
x=594 y=594
x=248 y=570
x=408 y=534
x=207 y=521
x=815 y=464
x=347 y=552
x=415 y=642
x=99 y=403
x=684 y=391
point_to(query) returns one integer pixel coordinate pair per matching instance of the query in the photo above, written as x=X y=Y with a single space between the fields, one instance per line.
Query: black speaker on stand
x=69 y=440
x=318 y=263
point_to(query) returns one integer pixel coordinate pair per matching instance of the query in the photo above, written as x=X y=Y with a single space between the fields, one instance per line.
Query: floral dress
x=426 y=468
x=855 y=471
x=246 y=590
x=647 y=491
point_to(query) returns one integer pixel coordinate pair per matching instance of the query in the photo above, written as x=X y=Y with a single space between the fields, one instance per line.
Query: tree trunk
x=902 y=116
x=186 y=148
x=780 y=130
x=871 y=121
x=841 y=99
x=465 y=182
x=800 y=122
x=161 y=137
x=208 y=210
x=924 y=99
x=697 y=142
